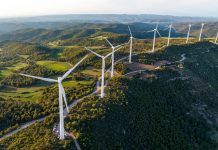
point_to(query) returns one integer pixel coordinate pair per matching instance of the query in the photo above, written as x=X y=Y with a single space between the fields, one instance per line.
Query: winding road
x=25 y=125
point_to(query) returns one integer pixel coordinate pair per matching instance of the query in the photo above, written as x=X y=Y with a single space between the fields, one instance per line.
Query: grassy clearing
x=23 y=94
x=4 y=73
x=99 y=38
x=17 y=66
x=9 y=70
x=76 y=83
x=24 y=56
x=54 y=65
x=92 y=72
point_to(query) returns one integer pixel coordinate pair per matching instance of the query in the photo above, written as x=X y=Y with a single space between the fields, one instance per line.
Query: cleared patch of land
x=7 y=71
x=55 y=65
x=92 y=72
x=23 y=94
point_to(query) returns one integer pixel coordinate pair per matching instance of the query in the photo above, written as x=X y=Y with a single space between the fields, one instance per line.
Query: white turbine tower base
x=62 y=94
x=202 y=26
x=103 y=68
x=188 y=34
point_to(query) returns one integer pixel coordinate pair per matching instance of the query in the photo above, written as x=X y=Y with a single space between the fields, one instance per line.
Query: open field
x=24 y=56
x=55 y=65
x=76 y=83
x=92 y=71
x=9 y=70
x=23 y=94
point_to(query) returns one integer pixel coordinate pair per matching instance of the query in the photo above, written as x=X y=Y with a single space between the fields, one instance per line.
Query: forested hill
x=134 y=115
x=75 y=32
x=171 y=107
x=78 y=31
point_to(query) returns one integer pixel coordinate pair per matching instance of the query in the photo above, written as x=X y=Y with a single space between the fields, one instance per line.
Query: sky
x=19 y=8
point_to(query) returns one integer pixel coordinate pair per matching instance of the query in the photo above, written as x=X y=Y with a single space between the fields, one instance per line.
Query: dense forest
x=135 y=114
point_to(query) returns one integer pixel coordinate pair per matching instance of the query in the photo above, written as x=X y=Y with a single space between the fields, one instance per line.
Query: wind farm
x=108 y=81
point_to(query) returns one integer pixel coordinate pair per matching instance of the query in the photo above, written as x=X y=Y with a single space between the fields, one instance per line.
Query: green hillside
x=172 y=107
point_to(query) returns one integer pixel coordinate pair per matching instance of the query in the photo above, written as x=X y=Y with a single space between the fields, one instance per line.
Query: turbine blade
x=150 y=31
x=108 y=55
x=157 y=26
x=120 y=45
x=118 y=48
x=93 y=52
x=64 y=96
x=74 y=67
x=109 y=43
x=174 y=28
x=40 y=78
x=166 y=29
x=130 y=31
x=159 y=33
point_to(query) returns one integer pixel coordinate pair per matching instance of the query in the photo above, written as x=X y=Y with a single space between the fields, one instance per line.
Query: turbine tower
x=62 y=94
x=154 y=40
x=130 y=48
x=112 y=56
x=189 y=29
x=169 y=36
x=103 y=68
x=202 y=26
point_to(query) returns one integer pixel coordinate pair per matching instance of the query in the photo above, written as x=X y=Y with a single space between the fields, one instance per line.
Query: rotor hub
x=59 y=79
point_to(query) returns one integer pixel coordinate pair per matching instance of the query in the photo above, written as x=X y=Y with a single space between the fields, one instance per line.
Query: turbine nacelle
x=59 y=80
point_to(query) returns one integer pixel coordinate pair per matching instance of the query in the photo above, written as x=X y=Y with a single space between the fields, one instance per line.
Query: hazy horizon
x=26 y=8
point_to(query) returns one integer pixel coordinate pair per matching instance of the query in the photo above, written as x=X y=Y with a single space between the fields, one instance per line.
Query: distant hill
x=60 y=21
x=73 y=32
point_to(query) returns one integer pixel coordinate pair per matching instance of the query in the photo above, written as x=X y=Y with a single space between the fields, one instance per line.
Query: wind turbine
x=216 y=38
x=130 y=48
x=62 y=94
x=112 y=56
x=169 y=36
x=189 y=29
x=202 y=26
x=103 y=68
x=155 y=33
